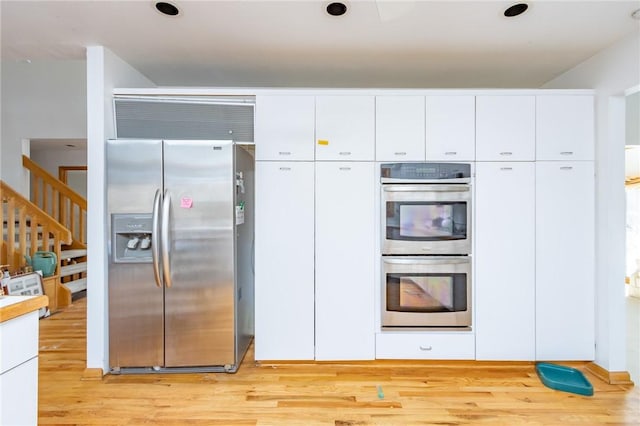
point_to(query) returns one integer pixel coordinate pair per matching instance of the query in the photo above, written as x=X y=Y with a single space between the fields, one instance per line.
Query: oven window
x=423 y=221
x=426 y=292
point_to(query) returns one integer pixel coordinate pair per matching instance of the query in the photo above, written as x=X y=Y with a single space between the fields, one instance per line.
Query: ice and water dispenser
x=131 y=238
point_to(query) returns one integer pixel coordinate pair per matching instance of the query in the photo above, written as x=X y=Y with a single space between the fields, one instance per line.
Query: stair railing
x=27 y=229
x=58 y=200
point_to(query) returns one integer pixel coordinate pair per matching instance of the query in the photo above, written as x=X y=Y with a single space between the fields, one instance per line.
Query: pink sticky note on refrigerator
x=186 y=202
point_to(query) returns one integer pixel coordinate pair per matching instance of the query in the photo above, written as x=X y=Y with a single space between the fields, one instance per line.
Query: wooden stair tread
x=70 y=254
x=77 y=285
x=76 y=268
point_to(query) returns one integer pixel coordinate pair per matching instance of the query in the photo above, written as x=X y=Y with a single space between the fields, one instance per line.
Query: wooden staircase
x=27 y=229
x=70 y=209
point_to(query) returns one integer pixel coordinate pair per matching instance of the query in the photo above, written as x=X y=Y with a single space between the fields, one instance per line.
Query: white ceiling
x=297 y=44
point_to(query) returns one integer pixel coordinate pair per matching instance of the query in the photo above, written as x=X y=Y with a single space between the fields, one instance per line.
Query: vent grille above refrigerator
x=165 y=118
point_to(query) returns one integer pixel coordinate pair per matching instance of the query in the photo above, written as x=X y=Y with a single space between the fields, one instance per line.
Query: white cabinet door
x=284 y=261
x=284 y=128
x=400 y=128
x=565 y=261
x=564 y=127
x=19 y=394
x=505 y=262
x=505 y=128
x=345 y=128
x=345 y=286
x=450 y=128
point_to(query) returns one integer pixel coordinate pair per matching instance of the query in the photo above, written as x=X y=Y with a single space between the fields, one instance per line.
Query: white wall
x=51 y=159
x=105 y=71
x=610 y=73
x=632 y=118
x=40 y=100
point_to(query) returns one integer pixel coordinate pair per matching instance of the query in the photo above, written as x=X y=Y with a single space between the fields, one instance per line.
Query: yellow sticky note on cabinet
x=323 y=142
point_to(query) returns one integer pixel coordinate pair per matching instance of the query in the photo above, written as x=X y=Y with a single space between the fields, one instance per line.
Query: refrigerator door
x=199 y=304
x=134 y=175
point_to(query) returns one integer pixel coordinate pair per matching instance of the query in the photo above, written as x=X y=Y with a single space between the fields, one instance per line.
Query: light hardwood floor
x=415 y=393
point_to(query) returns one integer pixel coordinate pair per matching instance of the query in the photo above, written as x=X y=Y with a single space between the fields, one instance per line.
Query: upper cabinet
x=564 y=127
x=345 y=128
x=450 y=128
x=400 y=122
x=284 y=128
x=505 y=128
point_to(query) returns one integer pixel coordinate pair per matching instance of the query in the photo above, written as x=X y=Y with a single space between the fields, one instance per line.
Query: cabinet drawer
x=428 y=345
x=18 y=340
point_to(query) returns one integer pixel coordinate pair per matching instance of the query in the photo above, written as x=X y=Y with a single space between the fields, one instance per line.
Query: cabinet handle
x=425 y=348
x=566 y=168
x=345 y=153
x=400 y=153
x=450 y=153
x=284 y=153
x=285 y=169
x=506 y=168
x=506 y=153
x=566 y=153
x=345 y=168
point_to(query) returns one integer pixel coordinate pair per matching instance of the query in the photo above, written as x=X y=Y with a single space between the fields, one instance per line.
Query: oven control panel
x=430 y=171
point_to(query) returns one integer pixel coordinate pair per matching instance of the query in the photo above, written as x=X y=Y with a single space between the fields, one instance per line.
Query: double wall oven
x=426 y=245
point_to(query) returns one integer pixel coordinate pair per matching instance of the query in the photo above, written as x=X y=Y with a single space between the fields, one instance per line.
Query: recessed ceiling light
x=516 y=9
x=167 y=8
x=636 y=14
x=336 y=9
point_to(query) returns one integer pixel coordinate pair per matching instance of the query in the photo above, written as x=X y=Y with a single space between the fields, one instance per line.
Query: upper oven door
x=426 y=219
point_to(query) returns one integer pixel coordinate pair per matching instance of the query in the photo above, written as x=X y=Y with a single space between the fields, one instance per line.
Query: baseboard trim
x=92 y=374
x=611 y=377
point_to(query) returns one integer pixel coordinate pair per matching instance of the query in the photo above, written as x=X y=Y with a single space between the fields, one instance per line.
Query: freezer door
x=134 y=174
x=199 y=304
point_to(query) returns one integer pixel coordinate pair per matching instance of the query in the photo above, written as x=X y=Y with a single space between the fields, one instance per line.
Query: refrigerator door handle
x=155 y=237
x=166 y=244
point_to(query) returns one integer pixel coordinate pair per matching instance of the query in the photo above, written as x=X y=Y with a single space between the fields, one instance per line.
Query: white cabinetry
x=450 y=128
x=505 y=262
x=284 y=281
x=19 y=370
x=428 y=345
x=400 y=128
x=345 y=128
x=565 y=261
x=505 y=128
x=284 y=128
x=564 y=127
x=345 y=287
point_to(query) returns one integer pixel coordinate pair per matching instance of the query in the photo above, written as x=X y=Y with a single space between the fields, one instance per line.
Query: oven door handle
x=432 y=260
x=433 y=181
x=426 y=188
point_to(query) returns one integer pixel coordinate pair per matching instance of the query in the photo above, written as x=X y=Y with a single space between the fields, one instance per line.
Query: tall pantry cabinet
x=285 y=252
x=565 y=230
x=345 y=212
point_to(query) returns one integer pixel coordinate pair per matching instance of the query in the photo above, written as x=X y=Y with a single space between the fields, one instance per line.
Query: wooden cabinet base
x=59 y=295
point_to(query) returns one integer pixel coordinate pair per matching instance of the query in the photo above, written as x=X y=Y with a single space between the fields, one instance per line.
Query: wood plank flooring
x=415 y=393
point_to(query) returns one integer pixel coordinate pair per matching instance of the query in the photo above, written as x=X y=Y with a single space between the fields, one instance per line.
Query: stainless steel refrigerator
x=181 y=277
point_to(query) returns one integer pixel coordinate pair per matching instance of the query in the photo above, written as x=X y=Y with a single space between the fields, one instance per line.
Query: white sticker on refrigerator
x=240 y=214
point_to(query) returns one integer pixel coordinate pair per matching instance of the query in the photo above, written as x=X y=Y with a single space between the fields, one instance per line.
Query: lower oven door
x=426 y=291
